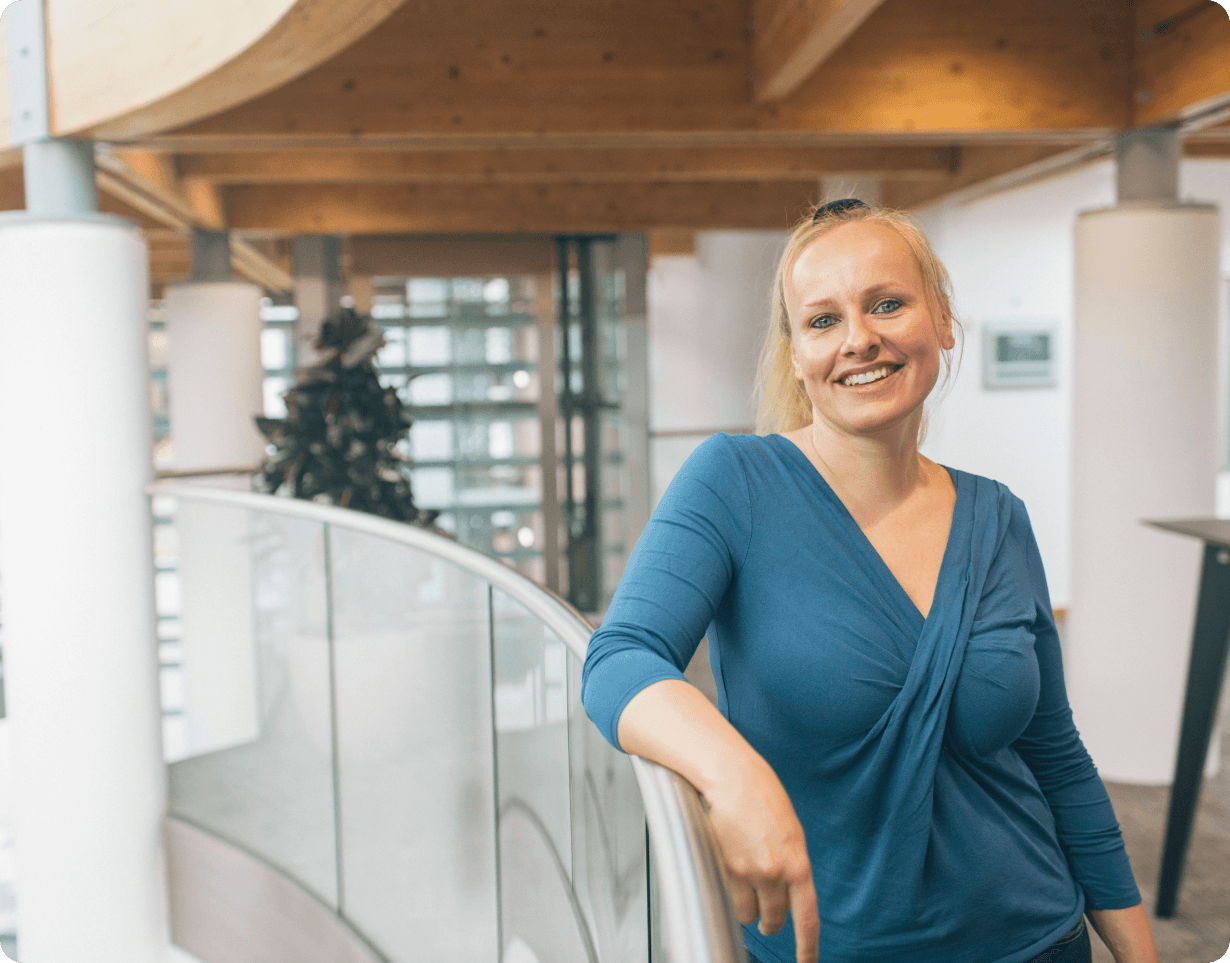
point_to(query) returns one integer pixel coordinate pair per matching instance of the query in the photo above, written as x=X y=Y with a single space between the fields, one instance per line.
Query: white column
x=79 y=649
x=319 y=288
x=1144 y=445
x=214 y=385
x=214 y=374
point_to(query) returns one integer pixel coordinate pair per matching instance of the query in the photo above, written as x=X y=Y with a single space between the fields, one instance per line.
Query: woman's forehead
x=859 y=252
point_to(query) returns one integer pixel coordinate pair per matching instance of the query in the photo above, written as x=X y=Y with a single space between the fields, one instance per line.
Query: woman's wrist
x=1126 y=933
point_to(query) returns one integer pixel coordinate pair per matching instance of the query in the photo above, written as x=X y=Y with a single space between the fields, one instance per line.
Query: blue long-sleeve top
x=951 y=812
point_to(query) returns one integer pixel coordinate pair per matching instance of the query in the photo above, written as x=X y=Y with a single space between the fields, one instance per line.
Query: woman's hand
x=757 y=829
x=765 y=855
x=1126 y=933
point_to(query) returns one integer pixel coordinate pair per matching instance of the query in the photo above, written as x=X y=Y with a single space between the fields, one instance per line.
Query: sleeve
x=1051 y=746
x=675 y=579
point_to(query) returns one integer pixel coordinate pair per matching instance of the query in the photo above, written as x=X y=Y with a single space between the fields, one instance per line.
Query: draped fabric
x=951 y=812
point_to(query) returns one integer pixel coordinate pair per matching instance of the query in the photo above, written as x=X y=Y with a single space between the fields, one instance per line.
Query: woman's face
x=865 y=335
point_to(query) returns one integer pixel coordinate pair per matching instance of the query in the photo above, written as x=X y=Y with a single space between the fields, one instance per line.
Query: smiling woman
x=784 y=403
x=892 y=752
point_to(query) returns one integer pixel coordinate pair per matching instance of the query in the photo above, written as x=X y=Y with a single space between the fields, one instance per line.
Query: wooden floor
x=1200 y=930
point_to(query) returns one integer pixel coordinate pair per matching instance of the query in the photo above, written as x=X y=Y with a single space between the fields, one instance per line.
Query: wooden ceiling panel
x=966 y=65
x=1208 y=150
x=442 y=255
x=109 y=203
x=538 y=68
x=463 y=66
x=411 y=209
x=531 y=115
x=791 y=38
x=12 y=189
x=978 y=165
x=1182 y=59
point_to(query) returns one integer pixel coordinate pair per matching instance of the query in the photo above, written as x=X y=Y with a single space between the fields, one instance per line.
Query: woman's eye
x=887 y=306
x=823 y=321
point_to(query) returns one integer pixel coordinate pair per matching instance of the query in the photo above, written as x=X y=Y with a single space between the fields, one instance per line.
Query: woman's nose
x=861 y=336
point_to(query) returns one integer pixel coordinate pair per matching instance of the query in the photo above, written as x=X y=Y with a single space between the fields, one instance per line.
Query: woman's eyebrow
x=884 y=287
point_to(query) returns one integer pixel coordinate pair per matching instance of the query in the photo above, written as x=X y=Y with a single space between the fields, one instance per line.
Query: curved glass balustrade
x=393 y=721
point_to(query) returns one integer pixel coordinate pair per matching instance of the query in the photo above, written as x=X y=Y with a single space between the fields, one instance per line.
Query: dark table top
x=1213 y=530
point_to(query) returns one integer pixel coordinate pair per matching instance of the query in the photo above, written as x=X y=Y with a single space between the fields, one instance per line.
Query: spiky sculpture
x=338 y=443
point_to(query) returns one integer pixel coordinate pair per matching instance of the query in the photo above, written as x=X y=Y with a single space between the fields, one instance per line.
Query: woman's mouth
x=868 y=377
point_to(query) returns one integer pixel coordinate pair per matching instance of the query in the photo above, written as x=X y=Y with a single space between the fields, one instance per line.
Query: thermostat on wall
x=1018 y=355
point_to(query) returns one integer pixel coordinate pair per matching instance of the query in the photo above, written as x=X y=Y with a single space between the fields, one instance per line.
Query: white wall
x=1209 y=181
x=706 y=317
x=1010 y=256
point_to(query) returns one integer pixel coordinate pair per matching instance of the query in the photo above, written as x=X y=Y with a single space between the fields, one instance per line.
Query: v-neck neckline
x=827 y=491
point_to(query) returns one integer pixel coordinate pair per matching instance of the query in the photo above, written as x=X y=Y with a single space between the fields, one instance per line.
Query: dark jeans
x=1072 y=947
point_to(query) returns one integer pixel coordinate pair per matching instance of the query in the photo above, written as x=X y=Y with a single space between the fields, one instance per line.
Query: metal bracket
x=29 y=102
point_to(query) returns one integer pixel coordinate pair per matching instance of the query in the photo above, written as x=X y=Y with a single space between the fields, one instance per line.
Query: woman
x=894 y=752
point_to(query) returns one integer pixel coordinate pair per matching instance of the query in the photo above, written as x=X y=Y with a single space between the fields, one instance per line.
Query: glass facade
x=519 y=439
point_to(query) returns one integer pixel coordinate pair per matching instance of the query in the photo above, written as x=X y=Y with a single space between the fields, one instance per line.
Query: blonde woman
x=893 y=753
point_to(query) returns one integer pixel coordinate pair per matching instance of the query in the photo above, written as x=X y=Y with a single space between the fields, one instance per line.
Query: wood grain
x=410 y=209
x=791 y=38
x=1182 y=59
x=538 y=68
x=577 y=165
x=121 y=68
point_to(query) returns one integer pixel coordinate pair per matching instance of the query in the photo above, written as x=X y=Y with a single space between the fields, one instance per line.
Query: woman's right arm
x=634 y=689
x=672 y=723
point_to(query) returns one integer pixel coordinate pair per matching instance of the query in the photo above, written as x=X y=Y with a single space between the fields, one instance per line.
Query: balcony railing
x=387 y=725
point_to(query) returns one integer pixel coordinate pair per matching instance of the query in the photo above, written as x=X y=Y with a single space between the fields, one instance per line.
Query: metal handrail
x=701 y=922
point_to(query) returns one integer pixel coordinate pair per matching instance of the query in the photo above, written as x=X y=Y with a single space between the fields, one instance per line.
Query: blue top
x=952 y=813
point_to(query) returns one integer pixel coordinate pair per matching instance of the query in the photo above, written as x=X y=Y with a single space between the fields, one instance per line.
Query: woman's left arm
x=1126 y=933
x=1084 y=818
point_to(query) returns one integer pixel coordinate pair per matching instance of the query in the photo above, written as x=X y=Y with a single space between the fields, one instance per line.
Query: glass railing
x=392 y=721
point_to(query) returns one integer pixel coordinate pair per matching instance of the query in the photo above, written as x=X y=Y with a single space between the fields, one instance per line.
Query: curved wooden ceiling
x=605 y=115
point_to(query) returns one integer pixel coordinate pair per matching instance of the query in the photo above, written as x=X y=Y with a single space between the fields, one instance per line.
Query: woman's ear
x=948 y=340
x=794 y=361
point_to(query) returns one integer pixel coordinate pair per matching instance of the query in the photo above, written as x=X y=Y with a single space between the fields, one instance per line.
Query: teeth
x=868 y=376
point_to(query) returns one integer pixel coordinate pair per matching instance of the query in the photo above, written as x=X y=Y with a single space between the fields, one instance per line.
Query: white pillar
x=319 y=288
x=1144 y=444
x=215 y=391
x=214 y=374
x=79 y=649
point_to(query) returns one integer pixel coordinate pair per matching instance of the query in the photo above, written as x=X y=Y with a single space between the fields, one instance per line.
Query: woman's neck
x=871 y=474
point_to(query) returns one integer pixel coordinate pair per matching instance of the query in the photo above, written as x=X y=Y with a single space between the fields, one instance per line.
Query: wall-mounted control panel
x=1019 y=355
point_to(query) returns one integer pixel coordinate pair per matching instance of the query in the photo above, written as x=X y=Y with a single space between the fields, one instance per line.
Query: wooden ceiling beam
x=1181 y=66
x=154 y=176
x=791 y=38
x=442 y=255
x=564 y=166
x=183 y=143
x=12 y=189
x=154 y=196
x=577 y=208
x=1207 y=150
x=985 y=169
x=536 y=68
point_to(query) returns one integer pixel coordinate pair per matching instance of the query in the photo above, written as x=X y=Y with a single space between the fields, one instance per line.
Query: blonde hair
x=782 y=401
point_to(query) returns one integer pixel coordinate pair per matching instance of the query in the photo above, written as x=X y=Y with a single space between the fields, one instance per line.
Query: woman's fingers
x=765 y=855
x=773 y=906
x=747 y=907
x=806 y=920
